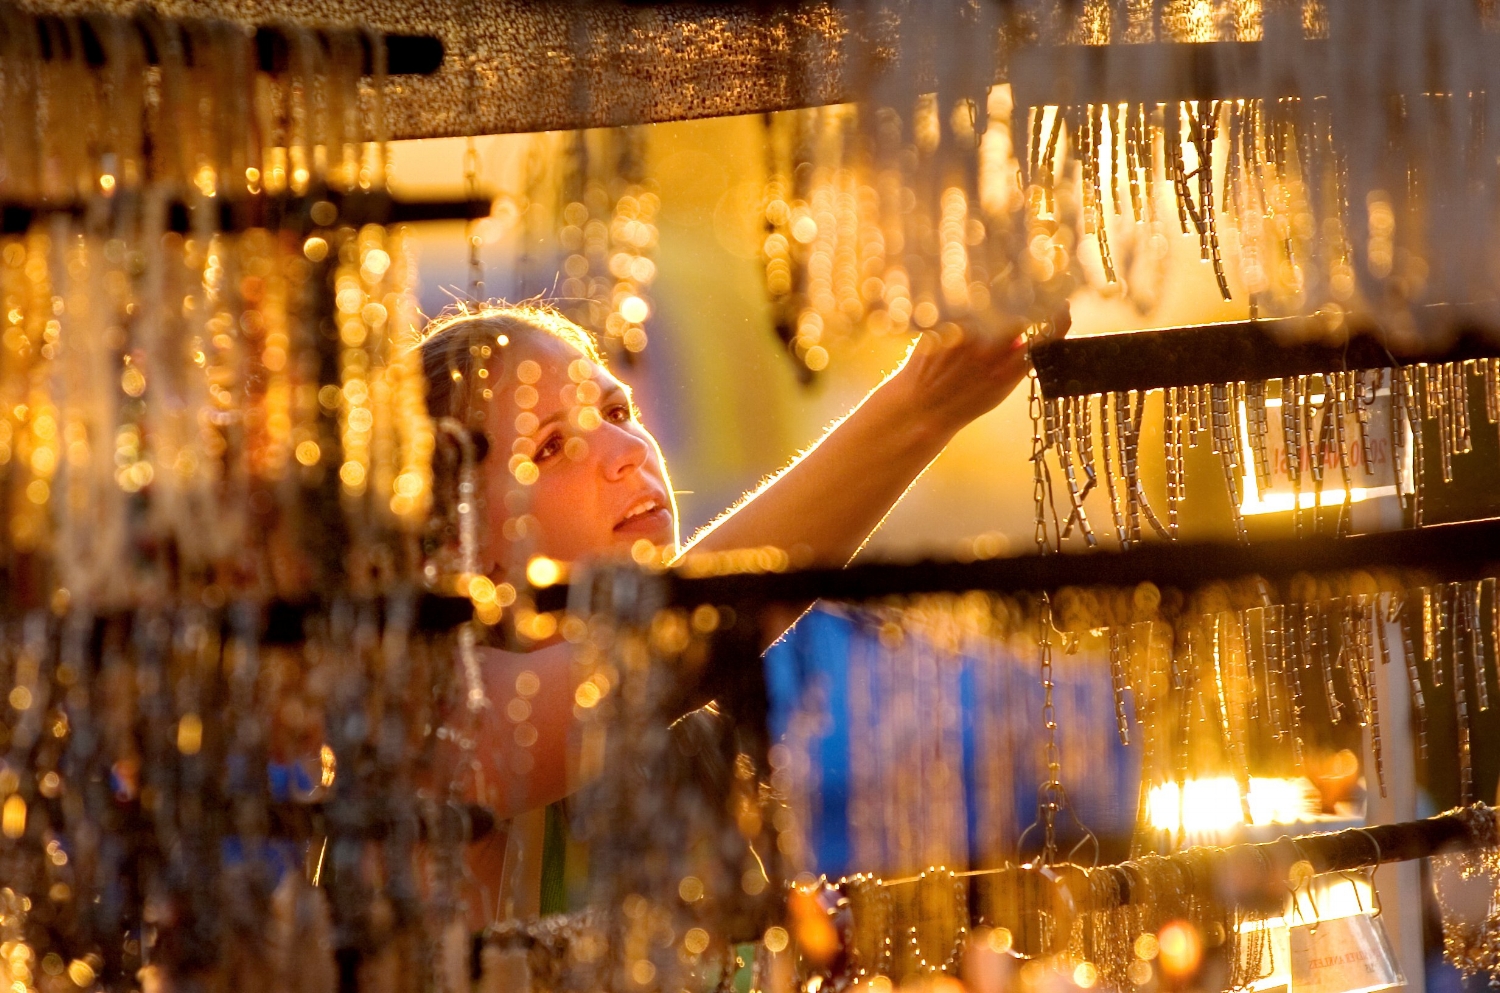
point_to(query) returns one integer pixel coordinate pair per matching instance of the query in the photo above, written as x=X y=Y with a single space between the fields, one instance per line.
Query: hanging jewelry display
x=607 y=232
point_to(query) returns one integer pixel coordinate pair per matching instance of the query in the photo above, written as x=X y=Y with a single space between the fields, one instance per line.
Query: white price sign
x=1343 y=955
x=1368 y=477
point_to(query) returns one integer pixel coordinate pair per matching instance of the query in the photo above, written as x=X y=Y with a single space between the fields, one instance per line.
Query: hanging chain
x=1038 y=445
x=1051 y=796
x=471 y=193
x=471 y=169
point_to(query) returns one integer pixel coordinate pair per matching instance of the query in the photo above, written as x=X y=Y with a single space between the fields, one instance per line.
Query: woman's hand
x=952 y=376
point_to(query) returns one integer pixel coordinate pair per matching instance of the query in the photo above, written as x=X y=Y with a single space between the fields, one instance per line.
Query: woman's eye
x=549 y=448
x=618 y=413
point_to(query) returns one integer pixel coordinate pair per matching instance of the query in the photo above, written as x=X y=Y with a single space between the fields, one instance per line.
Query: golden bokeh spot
x=1000 y=940
x=190 y=734
x=634 y=309
x=642 y=971
x=528 y=683
x=528 y=371
x=13 y=816
x=542 y=572
x=587 y=695
x=776 y=939
x=81 y=973
x=705 y=618
x=482 y=589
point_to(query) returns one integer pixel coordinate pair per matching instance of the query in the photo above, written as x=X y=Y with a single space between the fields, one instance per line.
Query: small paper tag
x=1343 y=955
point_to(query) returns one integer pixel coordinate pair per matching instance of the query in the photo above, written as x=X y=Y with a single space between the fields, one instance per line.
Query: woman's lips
x=650 y=523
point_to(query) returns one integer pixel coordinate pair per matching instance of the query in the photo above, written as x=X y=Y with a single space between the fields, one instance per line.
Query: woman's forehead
x=551 y=358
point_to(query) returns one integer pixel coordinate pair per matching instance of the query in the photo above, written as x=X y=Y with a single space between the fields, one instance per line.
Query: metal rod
x=1245 y=869
x=1246 y=351
x=1470 y=550
x=406 y=54
x=296 y=213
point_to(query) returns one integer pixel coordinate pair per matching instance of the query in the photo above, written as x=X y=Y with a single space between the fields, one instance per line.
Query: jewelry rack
x=1059 y=75
x=1460 y=551
x=298 y=214
x=281 y=622
x=504 y=66
x=404 y=54
x=1238 y=351
x=1462 y=829
x=373 y=820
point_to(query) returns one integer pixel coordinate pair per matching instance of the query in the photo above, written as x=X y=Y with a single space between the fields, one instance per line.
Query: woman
x=572 y=473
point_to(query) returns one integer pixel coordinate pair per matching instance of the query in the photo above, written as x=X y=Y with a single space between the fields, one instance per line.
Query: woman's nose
x=621 y=452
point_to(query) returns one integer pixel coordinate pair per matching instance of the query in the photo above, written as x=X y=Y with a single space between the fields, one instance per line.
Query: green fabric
x=554 y=861
x=746 y=973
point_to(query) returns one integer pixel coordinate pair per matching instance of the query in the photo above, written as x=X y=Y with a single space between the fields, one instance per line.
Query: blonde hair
x=459 y=341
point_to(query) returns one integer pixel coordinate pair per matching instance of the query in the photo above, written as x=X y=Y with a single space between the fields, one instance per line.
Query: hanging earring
x=1465 y=754
x=1363 y=402
x=1369 y=615
x=1036 y=408
x=1431 y=623
x=1252 y=696
x=1473 y=598
x=1066 y=412
x=1291 y=439
x=1084 y=418
x=1108 y=431
x=1223 y=444
x=1292 y=663
x=1172 y=440
x=1341 y=390
x=1274 y=667
x=1134 y=159
x=1139 y=504
x=1400 y=611
x=1117 y=680
x=1093 y=189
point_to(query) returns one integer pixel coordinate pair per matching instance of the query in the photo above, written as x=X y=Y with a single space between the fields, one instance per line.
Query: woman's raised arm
x=831 y=498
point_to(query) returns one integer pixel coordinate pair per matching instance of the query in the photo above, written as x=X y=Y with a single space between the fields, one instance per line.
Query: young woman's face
x=572 y=473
